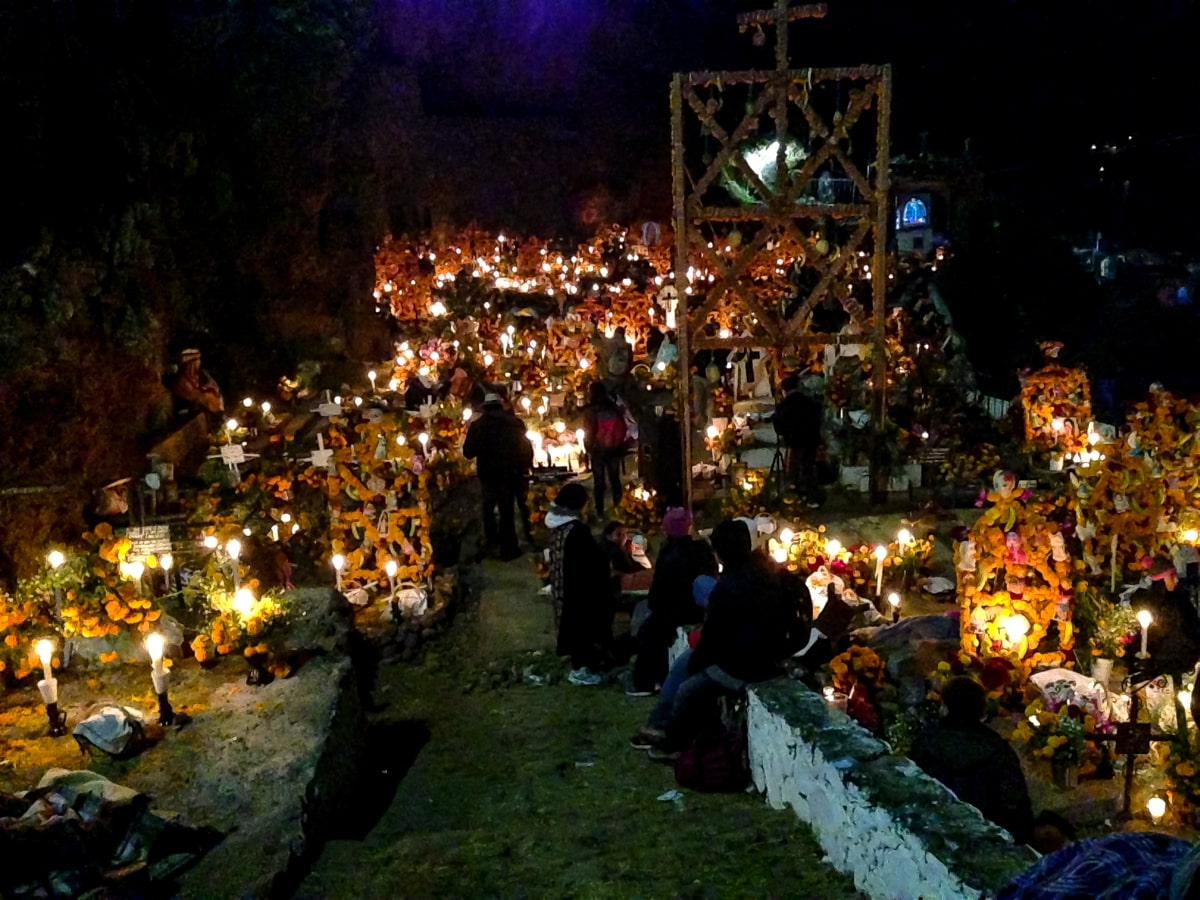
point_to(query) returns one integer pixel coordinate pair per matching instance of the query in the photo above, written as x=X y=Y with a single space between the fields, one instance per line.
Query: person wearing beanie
x=681 y=561
x=579 y=584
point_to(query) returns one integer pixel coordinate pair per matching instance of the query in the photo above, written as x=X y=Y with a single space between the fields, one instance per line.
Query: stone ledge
x=878 y=817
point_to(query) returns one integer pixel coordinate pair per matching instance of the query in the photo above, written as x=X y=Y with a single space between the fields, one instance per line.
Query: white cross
x=322 y=458
x=328 y=408
x=234 y=455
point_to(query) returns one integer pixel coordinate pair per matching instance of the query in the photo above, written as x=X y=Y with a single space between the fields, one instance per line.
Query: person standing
x=606 y=438
x=798 y=426
x=497 y=443
x=579 y=584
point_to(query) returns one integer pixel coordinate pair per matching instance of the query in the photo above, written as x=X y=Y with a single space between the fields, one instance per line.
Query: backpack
x=611 y=432
x=715 y=760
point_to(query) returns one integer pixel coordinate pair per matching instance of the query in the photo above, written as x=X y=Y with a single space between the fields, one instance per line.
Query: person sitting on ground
x=682 y=560
x=497 y=442
x=196 y=390
x=605 y=438
x=628 y=574
x=1124 y=866
x=973 y=761
x=751 y=628
x=580 y=587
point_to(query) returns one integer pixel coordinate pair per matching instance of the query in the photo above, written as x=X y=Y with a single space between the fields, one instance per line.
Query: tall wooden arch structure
x=786 y=221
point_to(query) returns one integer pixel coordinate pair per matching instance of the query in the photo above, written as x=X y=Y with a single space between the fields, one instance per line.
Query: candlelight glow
x=390 y=568
x=833 y=547
x=210 y=542
x=56 y=559
x=560 y=426
x=423 y=438
x=154 y=645
x=266 y=406
x=1157 y=807
x=786 y=536
x=894 y=599
x=780 y=554
x=243 y=602
x=467 y=413
x=904 y=536
x=1191 y=535
x=45 y=650
x=712 y=431
x=881 y=552
x=167 y=561
x=338 y=561
x=1016 y=627
x=1144 y=618
x=234 y=548
x=232 y=424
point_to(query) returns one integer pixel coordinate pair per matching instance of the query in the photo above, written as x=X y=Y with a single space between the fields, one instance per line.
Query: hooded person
x=579 y=585
x=682 y=560
x=972 y=760
x=502 y=453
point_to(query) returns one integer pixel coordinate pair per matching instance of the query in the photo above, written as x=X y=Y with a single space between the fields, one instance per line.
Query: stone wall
x=878 y=817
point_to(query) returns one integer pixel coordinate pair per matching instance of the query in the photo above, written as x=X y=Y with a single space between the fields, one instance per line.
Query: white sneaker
x=584 y=677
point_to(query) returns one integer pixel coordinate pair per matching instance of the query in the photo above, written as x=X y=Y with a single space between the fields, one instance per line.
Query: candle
x=880 y=556
x=780 y=554
x=894 y=600
x=903 y=537
x=1113 y=566
x=56 y=559
x=1157 y=807
x=390 y=568
x=45 y=652
x=832 y=548
x=338 y=561
x=243 y=602
x=372 y=375
x=155 y=643
x=1144 y=619
x=234 y=549
x=167 y=561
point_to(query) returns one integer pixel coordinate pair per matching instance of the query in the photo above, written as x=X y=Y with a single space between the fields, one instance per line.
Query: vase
x=1066 y=774
x=1102 y=671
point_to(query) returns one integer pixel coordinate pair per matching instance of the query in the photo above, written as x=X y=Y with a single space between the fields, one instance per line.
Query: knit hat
x=677 y=522
x=573 y=496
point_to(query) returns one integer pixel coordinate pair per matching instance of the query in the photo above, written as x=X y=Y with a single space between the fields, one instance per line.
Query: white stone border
x=862 y=839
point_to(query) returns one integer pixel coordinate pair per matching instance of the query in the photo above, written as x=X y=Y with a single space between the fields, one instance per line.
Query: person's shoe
x=633 y=690
x=662 y=754
x=584 y=677
x=647 y=738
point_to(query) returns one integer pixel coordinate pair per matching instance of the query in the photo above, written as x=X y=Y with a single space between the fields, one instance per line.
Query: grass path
x=533 y=791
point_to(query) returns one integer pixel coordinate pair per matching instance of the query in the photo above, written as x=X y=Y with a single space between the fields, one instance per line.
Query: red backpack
x=611 y=433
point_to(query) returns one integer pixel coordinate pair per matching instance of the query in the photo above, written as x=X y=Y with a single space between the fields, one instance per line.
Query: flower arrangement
x=859 y=674
x=1180 y=762
x=1058 y=406
x=999 y=678
x=1055 y=736
x=1021 y=586
x=1111 y=626
x=638 y=509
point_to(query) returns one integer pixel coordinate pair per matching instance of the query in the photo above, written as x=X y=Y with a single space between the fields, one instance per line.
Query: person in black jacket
x=680 y=562
x=579 y=583
x=502 y=454
x=751 y=628
x=976 y=763
x=798 y=425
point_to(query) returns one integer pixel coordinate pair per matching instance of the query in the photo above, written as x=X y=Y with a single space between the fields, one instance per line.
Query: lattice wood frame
x=779 y=213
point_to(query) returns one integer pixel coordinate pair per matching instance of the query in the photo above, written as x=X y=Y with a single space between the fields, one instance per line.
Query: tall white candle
x=45 y=652
x=1113 y=576
x=1144 y=619
x=880 y=555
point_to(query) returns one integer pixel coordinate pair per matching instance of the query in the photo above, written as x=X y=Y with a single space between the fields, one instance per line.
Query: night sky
x=1032 y=84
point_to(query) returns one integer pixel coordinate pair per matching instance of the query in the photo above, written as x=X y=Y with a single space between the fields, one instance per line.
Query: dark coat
x=751 y=627
x=497 y=443
x=798 y=420
x=680 y=562
x=981 y=768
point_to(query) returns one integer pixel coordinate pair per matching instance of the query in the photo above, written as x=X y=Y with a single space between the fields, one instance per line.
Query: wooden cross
x=780 y=15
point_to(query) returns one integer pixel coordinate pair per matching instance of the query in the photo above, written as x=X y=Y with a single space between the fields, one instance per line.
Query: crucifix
x=779 y=15
x=234 y=455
